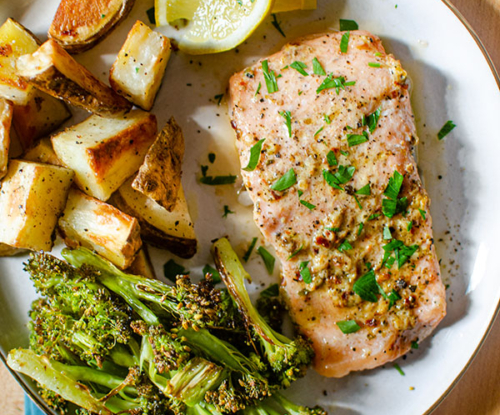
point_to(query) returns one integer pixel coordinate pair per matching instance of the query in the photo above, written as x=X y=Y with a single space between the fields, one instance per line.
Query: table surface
x=478 y=392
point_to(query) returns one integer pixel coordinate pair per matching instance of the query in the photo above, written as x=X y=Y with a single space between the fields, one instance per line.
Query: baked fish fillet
x=337 y=193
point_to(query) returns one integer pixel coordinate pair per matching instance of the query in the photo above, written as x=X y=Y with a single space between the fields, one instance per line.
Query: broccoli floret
x=270 y=307
x=294 y=409
x=288 y=358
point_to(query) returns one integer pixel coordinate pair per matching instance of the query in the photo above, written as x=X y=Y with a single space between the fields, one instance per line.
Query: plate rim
x=42 y=405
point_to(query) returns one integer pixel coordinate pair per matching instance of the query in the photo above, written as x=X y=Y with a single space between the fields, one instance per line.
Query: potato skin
x=6 y=111
x=159 y=177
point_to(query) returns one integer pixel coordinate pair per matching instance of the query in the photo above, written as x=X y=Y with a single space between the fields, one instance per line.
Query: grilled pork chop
x=337 y=193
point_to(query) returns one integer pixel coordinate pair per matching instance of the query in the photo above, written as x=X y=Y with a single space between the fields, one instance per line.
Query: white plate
x=452 y=80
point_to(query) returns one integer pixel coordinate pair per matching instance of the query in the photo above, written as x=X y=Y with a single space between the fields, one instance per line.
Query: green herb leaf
x=268 y=259
x=327 y=119
x=255 y=151
x=446 y=129
x=398 y=368
x=393 y=297
x=374 y=216
x=317 y=132
x=317 y=67
x=171 y=269
x=337 y=83
x=387 y=233
x=296 y=252
x=246 y=257
x=348 y=326
x=226 y=211
x=286 y=181
x=151 y=15
x=344 y=153
x=356 y=139
x=374 y=64
x=393 y=207
x=288 y=121
x=367 y=287
x=308 y=205
x=331 y=180
x=276 y=24
x=218 y=98
x=344 y=42
x=394 y=186
x=397 y=251
x=344 y=174
x=414 y=344
x=329 y=228
x=358 y=202
x=272 y=291
x=204 y=170
x=211 y=157
x=258 y=89
x=216 y=278
x=299 y=67
x=372 y=120
x=365 y=190
x=269 y=77
x=305 y=273
x=300 y=193
x=348 y=25
x=422 y=213
x=360 y=228
x=218 y=180
x=344 y=246
x=136 y=70
x=331 y=159
x=409 y=226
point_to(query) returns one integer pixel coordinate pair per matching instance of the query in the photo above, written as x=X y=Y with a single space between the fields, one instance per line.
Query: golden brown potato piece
x=160 y=175
x=15 y=41
x=159 y=227
x=42 y=115
x=52 y=70
x=5 y=121
x=142 y=265
x=42 y=152
x=7 y=250
x=96 y=225
x=104 y=152
x=78 y=25
x=139 y=67
x=32 y=198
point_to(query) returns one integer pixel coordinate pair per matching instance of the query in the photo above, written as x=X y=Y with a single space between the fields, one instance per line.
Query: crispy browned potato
x=78 y=25
x=52 y=70
x=159 y=227
x=142 y=264
x=5 y=121
x=104 y=152
x=160 y=175
x=38 y=118
x=42 y=152
x=32 y=198
x=7 y=250
x=96 y=225
x=139 y=67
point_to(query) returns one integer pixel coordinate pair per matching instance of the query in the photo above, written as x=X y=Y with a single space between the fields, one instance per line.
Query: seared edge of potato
x=159 y=177
x=104 y=152
x=7 y=250
x=93 y=224
x=6 y=110
x=142 y=264
x=80 y=25
x=15 y=41
x=38 y=118
x=163 y=229
x=138 y=69
x=42 y=152
x=53 y=70
x=32 y=197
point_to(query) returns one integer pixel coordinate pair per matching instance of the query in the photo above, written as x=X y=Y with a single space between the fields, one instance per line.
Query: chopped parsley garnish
x=272 y=291
x=348 y=25
x=337 y=83
x=329 y=228
x=269 y=77
x=422 y=213
x=253 y=161
x=397 y=251
x=344 y=246
x=308 y=205
x=387 y=233
x=342 y=176
x=204 y=170
x=372 y=120
x=331 y=159
x=300 y=193
x=394 y=205
x=258 y=89
x=344 y=153
x=365 y=190
x=299 y=67
x=358 y=202
x=211 y=157
x=393 y=297
x=317 y=132
x=268 y=259
x=374 y=64
x=398 y=368
x=305 y=273
x=296 y=252
x=216 y=278
x=317 y=67
x=300 y=93
x=218 y=98
x=136 y=70
x=288 y=121
x=367 y=287
x=394 y=186
x=286 y=181
x=360 y=228
x=171 y=269
x=246 y=257
x=356 y=139
x=226 y=211
x=374 y=216
x=447 y=128
x=151 y=15
x=409 y=226
x=414 y=344
x=344 y=42
x=218 y=180
x=327 y=119
x=276 y=24
x=348 y=326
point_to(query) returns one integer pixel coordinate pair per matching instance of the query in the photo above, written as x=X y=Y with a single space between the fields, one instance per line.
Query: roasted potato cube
x=160 y=175
x=159 y=227
x=5 y=121
x=96 y=225
x=42 y=152
x=15 y=41
x=7 y=250
x=142 y=264
x=52 y=70
x=80 y=24
x=139 y=67
x=42 y=115
x=104 y=152
x=32 y=197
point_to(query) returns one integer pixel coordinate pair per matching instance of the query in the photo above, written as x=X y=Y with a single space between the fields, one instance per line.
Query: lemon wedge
x=291 y=5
